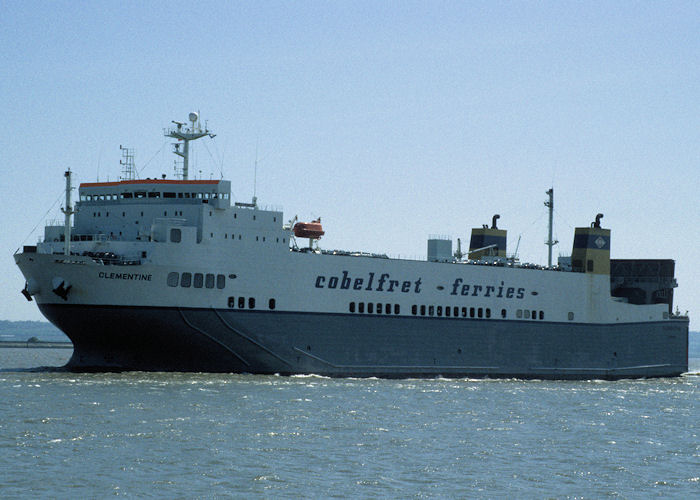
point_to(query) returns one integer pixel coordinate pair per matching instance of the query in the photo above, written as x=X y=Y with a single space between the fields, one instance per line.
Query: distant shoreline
x=39 y=344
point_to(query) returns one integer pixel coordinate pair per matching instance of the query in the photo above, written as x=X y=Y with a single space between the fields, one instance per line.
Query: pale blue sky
x=390 y=120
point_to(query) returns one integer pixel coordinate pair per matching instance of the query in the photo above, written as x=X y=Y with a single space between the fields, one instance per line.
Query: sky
x=392 y=121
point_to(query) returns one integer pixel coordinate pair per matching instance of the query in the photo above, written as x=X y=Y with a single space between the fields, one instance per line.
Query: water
x=170 y=435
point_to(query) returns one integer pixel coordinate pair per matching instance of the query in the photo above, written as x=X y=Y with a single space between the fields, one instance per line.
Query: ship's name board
x=384 y=283
x=125 y=276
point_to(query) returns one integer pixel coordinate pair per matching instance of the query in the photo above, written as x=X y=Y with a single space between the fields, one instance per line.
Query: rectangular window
x=186 y=280
x=397 y=309
x=422 y=310
x=175 y=235
x=387 y=309
x=251 y=303
x=352 y=307
x=431 y=310
x=241 y=302
x=361 y=307
x=370 y=307
x=481 y=312
x=209 y=281
x=220 y=281
x=503 y=313
x=488 y=312
x=472 y=312
x=464 y=312
x=172 y=279
x=198 y=280
x=414 y=309
x=168 y=195
x=231 y=302
x=541 y=314
x=519 y=313
x=271 y=304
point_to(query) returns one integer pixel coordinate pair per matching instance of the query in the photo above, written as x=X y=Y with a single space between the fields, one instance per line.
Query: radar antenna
x=186 y=133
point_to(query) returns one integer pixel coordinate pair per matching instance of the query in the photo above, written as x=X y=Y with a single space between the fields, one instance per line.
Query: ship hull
x=345 y=345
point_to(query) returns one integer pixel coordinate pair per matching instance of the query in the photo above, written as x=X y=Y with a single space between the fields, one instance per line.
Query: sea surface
x=173 y=435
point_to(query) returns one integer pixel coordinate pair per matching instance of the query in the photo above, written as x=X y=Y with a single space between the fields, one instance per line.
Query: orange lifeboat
x=312 y=230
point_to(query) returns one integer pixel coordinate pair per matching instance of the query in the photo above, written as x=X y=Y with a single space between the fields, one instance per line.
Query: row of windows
x=454 y=311
x=257 y=238
x=144 y=194
x=373 y=308
x=527 y=314
x=241 y=303
x=165 y=214
x=200 y=280
x=432 y=310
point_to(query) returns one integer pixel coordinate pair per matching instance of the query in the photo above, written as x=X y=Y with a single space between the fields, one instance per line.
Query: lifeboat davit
x=312 y=230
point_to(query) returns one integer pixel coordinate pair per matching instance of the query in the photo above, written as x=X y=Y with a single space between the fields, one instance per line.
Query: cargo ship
x=174 y=275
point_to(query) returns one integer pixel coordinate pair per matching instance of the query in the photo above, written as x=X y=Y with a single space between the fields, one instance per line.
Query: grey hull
x=339 y=345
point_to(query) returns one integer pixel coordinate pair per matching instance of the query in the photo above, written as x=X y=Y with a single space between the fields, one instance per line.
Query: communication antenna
x=127 y=163
x=550 y=242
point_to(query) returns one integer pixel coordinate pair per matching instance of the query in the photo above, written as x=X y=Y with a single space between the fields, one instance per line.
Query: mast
x=187 y=133
x=68 y=210
x=550 y=242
